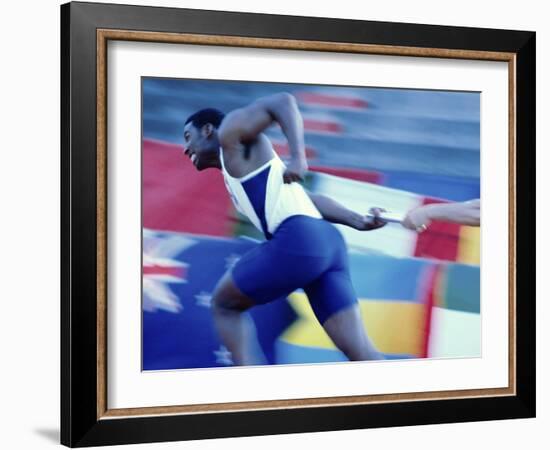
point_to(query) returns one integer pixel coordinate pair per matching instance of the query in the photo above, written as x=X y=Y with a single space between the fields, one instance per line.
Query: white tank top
x=265 y=199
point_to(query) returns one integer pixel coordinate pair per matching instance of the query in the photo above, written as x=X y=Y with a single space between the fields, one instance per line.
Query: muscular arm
x=335 y=212
x=464 y=213
x=246 y=124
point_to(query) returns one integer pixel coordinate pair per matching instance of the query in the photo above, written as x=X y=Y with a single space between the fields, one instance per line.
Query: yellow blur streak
x=468 y=245
x=393 y=326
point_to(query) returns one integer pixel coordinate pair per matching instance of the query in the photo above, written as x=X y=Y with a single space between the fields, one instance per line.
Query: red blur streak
x=176 y=197
x=323 y=126
x=179 y=272
x=440 y=240
x=283 y=150
x=331 y=100
x=366 y=176
x=433 y=273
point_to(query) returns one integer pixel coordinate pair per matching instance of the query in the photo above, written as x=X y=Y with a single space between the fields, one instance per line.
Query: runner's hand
x=295 y=170
x=417 y=219
x=373 y=223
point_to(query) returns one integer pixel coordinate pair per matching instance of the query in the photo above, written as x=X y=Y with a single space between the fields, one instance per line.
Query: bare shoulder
x=228 y=131
x=234 y=127
x=247 y=123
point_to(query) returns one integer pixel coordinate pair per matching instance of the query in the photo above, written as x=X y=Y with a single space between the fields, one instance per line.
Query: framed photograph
x=277 y=224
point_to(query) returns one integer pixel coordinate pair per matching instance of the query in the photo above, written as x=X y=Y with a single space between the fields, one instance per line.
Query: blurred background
x=393 y=148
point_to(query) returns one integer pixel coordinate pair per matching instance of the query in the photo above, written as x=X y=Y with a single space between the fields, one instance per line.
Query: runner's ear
x=207 y=129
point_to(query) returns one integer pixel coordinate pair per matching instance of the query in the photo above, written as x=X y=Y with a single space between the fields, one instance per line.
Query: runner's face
x=201 y=145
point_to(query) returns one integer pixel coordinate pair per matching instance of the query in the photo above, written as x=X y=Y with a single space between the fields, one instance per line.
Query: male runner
x=301 y=251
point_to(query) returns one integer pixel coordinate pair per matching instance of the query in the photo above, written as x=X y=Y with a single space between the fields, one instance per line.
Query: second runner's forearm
x=467 y=213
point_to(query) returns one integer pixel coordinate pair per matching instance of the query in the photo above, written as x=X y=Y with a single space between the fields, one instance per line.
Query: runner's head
x=200 y=136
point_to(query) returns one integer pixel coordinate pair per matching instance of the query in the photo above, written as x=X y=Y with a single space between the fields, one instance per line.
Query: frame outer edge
x=81 y=300
x=301 y=28
x=80 y=428
x=65 y=333
x=526 y=226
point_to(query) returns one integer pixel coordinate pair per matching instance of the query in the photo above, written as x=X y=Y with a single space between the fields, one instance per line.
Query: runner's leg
x=234 y=324
x=335 y=304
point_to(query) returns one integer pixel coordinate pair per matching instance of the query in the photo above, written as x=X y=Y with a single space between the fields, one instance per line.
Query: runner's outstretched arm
x=335 y=212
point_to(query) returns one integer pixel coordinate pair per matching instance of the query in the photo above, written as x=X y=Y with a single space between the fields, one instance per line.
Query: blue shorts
x=306 y=253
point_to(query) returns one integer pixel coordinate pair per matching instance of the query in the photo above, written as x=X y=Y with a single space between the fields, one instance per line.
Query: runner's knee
x=221 y=304
x=227 y=298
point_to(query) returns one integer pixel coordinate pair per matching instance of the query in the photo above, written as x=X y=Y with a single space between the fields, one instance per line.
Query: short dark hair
x=204 y=116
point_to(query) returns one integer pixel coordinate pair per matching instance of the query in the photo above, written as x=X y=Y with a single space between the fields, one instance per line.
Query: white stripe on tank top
x=264 y=198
